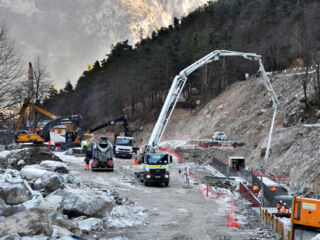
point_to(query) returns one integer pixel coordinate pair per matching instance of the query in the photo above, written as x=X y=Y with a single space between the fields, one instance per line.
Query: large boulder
x=8 y=210
x=51 y=182
x=67 y=224
x=30 y=222
x=91 y=225
x=55 y=166
x=13 y=194
x=33 y=172
x=59 y=232
x=52 y=204
x=87 y=203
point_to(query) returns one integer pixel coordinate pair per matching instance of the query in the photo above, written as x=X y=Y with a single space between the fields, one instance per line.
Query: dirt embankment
x=244 y=112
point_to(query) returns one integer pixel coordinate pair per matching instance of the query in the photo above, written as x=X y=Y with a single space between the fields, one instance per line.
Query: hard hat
x=280 y=201
x=284 y=204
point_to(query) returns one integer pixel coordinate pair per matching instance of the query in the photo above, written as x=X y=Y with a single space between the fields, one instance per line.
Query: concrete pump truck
x=152 y=165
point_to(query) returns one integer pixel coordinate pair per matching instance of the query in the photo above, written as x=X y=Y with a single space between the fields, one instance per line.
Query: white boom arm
x=179 y=82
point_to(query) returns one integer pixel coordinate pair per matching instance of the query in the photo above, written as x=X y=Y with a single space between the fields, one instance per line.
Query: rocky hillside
x=79 y=32
x=244 y=113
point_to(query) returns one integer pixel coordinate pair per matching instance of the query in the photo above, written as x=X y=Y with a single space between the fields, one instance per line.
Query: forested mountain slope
x=281 y=31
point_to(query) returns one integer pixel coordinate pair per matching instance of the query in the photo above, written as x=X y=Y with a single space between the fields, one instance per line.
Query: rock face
x=86 y=203
x=27 y=223
x=102 y=23
x=90 y=225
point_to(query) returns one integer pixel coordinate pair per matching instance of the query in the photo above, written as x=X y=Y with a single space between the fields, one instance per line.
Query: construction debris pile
x=38 y=186
x=28 y=156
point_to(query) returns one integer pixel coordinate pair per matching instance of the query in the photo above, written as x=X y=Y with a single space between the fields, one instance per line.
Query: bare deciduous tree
x=10 y=70
x=41 y=81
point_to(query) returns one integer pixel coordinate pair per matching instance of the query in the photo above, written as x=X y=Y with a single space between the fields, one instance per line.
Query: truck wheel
x=166 y=184
x=146 y=183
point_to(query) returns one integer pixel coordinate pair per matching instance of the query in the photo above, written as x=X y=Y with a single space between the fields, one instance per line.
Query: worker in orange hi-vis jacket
x=135 y=162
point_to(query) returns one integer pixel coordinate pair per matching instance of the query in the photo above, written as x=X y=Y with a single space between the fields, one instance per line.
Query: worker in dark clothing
x=279 y=205
x=283 y=209
x=255 y=189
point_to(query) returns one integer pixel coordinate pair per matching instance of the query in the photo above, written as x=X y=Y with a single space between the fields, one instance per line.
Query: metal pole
x=267 y=152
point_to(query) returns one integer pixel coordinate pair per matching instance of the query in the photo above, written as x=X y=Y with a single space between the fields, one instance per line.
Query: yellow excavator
x=24 y=137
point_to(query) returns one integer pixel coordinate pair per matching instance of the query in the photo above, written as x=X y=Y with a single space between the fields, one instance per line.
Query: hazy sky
x=69 y=34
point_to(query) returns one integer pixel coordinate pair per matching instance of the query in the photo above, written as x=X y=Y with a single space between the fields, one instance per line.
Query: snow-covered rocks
x=54 y=166
x=67 y=224
x=33 y=172
x=13 y=236
x=87 y=203
x=27 y=223
x=126 y=216
x=59 y=232
x=29 y=156
x=90 y=225
x=12 y=190
x=13 y=193
x=51 y=182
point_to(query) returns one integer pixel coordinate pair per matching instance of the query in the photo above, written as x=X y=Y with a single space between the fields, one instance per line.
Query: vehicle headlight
x=166 y=175
x=148 y=176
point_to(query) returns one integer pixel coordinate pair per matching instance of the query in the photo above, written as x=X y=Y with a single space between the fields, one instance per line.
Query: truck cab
x=154 y=168
x=124 y=147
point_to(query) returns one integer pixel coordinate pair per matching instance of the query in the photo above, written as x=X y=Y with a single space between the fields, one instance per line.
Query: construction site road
x=174 y=212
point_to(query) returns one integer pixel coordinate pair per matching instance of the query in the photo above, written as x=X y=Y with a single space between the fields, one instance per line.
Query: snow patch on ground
x=126 y=216
x=68 y=158
x=316 y=237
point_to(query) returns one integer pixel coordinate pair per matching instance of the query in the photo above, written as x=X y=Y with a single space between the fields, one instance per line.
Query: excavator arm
x=112 y=122
x=39 y=109
x=44 y=112
x=22 y=112
x=75 y=120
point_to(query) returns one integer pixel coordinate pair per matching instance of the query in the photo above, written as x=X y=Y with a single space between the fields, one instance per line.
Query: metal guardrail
x=251 y=178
